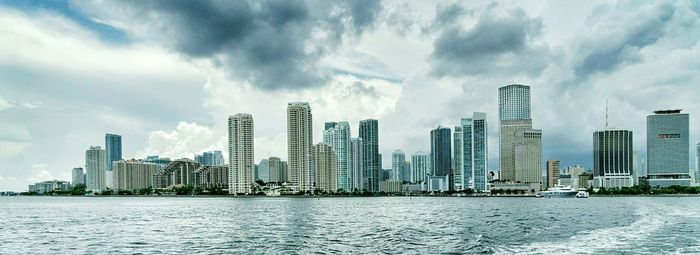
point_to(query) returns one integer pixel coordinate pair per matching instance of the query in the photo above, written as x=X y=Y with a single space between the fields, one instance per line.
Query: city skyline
x=403 y=64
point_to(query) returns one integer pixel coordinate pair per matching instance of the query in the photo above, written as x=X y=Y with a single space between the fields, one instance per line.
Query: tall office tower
x=218 y=158
x=553 y=169
x=612 y=158
x=325 y=167
x=457 y=160
x=668 y=148
x=398 y=162
x=78 y=176
x=371 y=163
x=95 y=168
x=514 y=116
x=420 y=166
x=240 y=151
x=357 y=174
x=697 y=162
x=133 y=174
x=299 y=146
x=407 y=171
x=441 y=153
x=284 y=171
x=264 y=170
x=474 y=152
x=113 y=150
x=337 y=135
x=275 y=167
x=528 y=158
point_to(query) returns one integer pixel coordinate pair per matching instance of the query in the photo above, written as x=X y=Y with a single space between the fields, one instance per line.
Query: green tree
x=79 y=190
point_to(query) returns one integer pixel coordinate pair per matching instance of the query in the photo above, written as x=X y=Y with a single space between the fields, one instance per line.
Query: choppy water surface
x=125 y=225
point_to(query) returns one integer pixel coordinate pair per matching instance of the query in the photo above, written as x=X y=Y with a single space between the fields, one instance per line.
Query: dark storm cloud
x=493 y=44
x=270 y=44
x=611 y=52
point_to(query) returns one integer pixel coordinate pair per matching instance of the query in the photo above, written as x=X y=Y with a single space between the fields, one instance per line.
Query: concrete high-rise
x=299 y=146
x=357 y=174
x=528 y=158
x=458 y=159
x=133 y=175
x=78 y=176
x=398 y=163
x=325 y=167
x=420 y=166
x=473 y=156
x=241 y=153
x=95 y=168
x=553 y=170
x=276 y=171
x=371 y=163
x=613 y=158
x=264 y=170
x=514 y=117
x=337 y=135
x=668 y=148
x=441 y=153
x=113 y=150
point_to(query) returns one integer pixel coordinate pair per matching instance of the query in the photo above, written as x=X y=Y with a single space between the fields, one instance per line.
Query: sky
x=167 y=74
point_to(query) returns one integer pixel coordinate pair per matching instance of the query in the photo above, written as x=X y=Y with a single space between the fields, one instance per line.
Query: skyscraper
x=441 y=153
x=241 y=148
x=325 y=167
x=357 y=174
x=113 y=149
x=78 y=176
x=420 y=166
x=668 y=148
x=553 y=168
x=337 y=135
x=697 y=162
x=473 y=157
x=275 y=167
x=299 y=146
x=514 y=116
x=95 y=168
x=133 y=174
x=264 y=170
x=460 y=176
x=371 y=163
x=398 y=162
x=613 y=157
x=528 y=158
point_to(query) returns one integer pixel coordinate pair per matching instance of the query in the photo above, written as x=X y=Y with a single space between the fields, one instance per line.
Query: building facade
x=48 y=186
x=325 y=167
x=553 y=171
x=357 y=175
x=337 y=135
x=420 y=166
x=458 y=164
x=95 y=168
x=78 y=176
x=371 y=160
x=528 y=158
x=441 y=153
x=398 y=163
x=473 y=157
x=668 y=148
x=133 y=175
x=241 y=153
x=113 y=152
x=299 y=146
x=263 y=172
x=514 y=116
x=177 y=173
x=612 y=159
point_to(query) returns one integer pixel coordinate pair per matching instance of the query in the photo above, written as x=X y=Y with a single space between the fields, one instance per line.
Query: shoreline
x=340 y=196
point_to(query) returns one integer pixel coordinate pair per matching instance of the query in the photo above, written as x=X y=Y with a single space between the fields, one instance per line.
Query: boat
x=582 y=194
x=558 y=191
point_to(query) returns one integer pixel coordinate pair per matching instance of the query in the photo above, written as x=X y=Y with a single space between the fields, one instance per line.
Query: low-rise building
x=48 y=186
x=390 y=186
x=209 y=177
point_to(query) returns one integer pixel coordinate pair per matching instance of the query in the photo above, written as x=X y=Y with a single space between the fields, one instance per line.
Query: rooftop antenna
x=606 y=113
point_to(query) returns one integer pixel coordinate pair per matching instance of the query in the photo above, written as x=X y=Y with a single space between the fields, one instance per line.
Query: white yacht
x=582 y=194
x=558 y=191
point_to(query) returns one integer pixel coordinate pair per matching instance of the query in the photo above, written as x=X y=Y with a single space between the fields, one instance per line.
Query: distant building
x=263 y=171
x=461 y=179
x=210 y=158
x=668 y=144
x=158 y=160
x=697 y=162
x=553 y=172
x=210 y=177
x=438 y=183
x=441 y=153
x=514 y=117
x=386 y=174
x=583 y=180
x=113 y=152
x=177 y=173
x=48 y=186
x=398 y=162
x=241 y=153
x=299 y=146
x=357 y=173
x=371 y=162
x=528 y=158
x=420 y=166
x=78 y=176
x=133 y=174
x=277 y=175
x=390 y=186
x=95 y=168
x=337 y=135
x=472 y=160
x=612 y=158
x=325 y=167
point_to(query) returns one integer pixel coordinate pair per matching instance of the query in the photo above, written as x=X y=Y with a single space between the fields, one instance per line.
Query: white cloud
x=183 y=142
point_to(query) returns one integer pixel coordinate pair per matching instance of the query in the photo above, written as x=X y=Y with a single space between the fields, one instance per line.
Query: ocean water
x=388 y=225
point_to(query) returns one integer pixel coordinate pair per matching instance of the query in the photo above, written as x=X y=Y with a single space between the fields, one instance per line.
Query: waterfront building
x=668 y=144
x=406 y=173
x=241 y=153
x=460 y=177
x=277 y=175
x=441 y=153
x=210 y=177
x=371 y=159
x=210 y=158
x=177 y=173
x=472 y=159
x=386 y=174
x=612 y=158
x=697 y=162
x=528 y=158
x=514 y=117
x=78 y=176
x=263 y=171
x=133 y=175
x=357 y=173
x=48 y=186
x=398 y=162
x=553 y=170
x=299 y=146
x=390 y=186
x=575 y=172
x=420 y=165
x=437 y=183
x=95 y=168
x=325 y=167
x=337 y=135
x=113 y=152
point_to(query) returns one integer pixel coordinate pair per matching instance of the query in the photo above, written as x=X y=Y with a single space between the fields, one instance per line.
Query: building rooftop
x=668 y=111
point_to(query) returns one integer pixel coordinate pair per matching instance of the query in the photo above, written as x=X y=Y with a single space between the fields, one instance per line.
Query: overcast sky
x=167 y=74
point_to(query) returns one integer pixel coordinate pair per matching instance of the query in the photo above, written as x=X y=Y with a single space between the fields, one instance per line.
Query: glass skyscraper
x=398 y=163
x=668 y=148
x=113 y=149
x=337 y=135
x=613 y=158
x=441 y=153
x=474 y=148
x=369 y=133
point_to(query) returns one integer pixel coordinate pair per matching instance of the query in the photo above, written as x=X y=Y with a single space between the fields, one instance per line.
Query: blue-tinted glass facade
x=113 y=148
